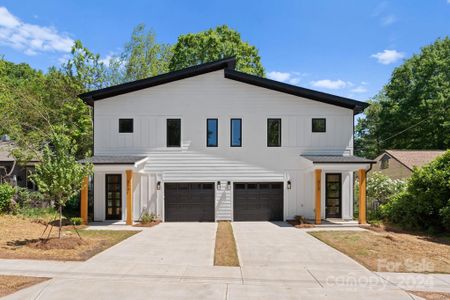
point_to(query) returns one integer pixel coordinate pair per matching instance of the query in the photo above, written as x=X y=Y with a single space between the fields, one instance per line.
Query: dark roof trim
x=113 y=160
x=337 y=159
x=357 y=106
x=124 y=88
x=228 y=64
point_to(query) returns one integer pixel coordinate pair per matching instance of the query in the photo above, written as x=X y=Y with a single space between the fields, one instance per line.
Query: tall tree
x=143 y=57
x=31 y=101
x=412 y=111
x=214 y=44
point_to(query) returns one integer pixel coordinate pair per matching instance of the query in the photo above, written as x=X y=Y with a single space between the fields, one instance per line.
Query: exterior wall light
x=218 y=185
x=289 y=185
x=158 y=185
x=228 y=185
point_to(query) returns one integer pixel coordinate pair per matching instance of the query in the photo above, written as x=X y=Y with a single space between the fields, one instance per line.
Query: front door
x=333 y=196
x=113 y=197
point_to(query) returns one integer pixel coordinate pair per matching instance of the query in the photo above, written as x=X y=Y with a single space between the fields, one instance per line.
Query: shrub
x=147 y=218
x=425 y=202
x=76 y=221
x=380 y=190
x=28 y=198
x=6 y=197
x=38 y=214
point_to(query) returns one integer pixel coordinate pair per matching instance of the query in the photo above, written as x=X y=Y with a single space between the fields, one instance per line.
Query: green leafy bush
x=6 y=197
x=425 y=204
x=147 y=218
x=76 y=221
x=380 y=190
x=28 y=198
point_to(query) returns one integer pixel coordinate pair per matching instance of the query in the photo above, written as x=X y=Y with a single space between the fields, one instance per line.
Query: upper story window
x=212 y=132
x=236 y=133
x=126 y=125
x=173 y=132
x=274 y=132
x=319 y=125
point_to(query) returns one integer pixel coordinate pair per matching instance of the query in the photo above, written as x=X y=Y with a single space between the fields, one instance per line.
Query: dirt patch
x=384 y=251
x=11 y=284
x=149 y=224
x=225 y=252
x=23 y=238
x=431 y=295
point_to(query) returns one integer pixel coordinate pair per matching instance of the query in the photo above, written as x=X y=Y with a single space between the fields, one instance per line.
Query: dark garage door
x=258 y=201
x=189 y=202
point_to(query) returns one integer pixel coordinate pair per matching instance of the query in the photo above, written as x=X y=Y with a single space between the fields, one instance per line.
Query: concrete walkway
x=175 y=261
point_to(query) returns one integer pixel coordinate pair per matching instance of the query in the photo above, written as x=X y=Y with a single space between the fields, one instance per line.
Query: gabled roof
x=413 y=158
x=228 y=64
x=337 y=159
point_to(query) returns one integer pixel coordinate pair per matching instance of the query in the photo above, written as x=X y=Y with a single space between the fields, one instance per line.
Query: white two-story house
x=209 y=143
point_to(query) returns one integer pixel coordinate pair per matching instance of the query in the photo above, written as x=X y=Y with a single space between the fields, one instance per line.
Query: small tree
x=59 y=175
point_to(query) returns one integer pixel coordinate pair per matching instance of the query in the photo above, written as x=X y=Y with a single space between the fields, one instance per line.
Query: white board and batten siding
x=211 y=95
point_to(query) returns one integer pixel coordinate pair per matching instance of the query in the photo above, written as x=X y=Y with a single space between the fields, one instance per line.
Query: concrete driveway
x=278 y=252
x=175 y=261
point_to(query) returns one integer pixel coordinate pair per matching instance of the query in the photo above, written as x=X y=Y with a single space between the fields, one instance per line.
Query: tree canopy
x=412 y=111
x=214 y=44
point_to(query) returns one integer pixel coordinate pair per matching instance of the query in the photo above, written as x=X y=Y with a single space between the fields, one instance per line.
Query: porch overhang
x=116 y=162
x=339 y=163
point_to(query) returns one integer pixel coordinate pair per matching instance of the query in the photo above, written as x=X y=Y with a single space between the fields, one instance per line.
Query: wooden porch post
x=129 y=197
x=317 y=189
x=362 y=196
x=84 y=200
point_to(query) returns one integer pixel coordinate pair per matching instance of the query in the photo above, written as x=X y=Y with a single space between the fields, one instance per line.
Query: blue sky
x=347 y=47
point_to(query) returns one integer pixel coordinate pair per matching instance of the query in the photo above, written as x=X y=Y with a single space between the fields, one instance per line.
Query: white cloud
x=106 y=59
x=278 y=76
x=388 y=56
x=30 y=38
x=388 y=20
x=287 y=77
x=331 y=84
x=359 y=89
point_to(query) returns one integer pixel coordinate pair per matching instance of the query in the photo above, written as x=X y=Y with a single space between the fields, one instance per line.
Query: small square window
x=126 y=125
x=319 y=125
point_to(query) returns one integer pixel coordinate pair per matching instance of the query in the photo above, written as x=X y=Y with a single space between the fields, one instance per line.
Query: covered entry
x=258 y=201
x=189 y=202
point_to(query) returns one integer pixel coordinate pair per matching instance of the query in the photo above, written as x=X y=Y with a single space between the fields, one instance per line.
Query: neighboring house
x=398 y=164
x=10 y=170
x=210 y=143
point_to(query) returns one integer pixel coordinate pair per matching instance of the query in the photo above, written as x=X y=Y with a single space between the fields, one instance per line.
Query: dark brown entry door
x=113 y=197
x=333 y=196
x=189 y=202
x=258 y=201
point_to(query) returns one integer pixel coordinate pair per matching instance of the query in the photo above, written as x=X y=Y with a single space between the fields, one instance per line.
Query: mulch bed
x=149 y=224
x=225 y=252
x=10 y=284
x=297 y=224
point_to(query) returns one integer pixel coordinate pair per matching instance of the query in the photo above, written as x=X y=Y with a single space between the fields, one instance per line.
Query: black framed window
x=212 y=126
x=173 y=132
x=236 y=133
x=126 y=125
x=319 y=125
x=274 y=132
